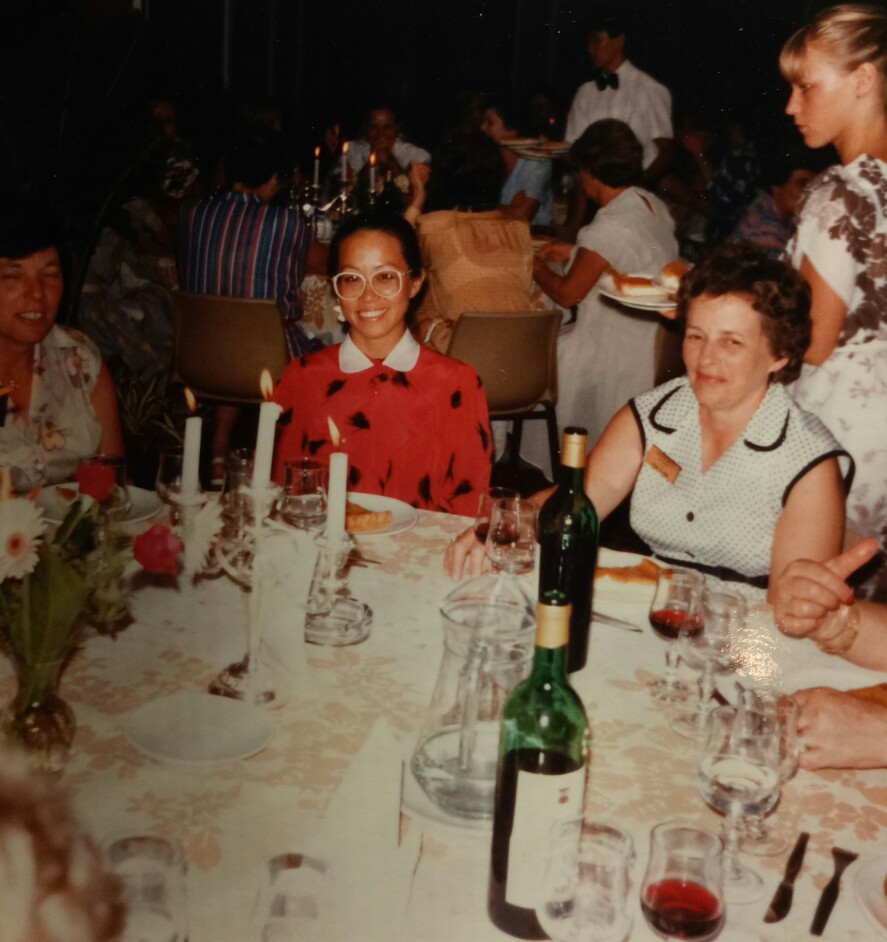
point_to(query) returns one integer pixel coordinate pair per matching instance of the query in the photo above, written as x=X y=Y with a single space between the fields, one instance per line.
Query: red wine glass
x=487 y=500
x=674 y=609
x=682 y=893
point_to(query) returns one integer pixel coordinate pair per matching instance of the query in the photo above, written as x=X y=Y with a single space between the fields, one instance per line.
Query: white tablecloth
x=232 y=818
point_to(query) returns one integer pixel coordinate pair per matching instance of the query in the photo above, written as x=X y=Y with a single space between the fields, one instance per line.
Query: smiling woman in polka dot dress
x=726 y=473
x=413 y=422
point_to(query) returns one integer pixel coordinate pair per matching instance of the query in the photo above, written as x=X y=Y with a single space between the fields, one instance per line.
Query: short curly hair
x=610 y=151
x=774 y=289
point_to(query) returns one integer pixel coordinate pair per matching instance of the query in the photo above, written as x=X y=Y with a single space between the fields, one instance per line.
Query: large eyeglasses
x=349 y=285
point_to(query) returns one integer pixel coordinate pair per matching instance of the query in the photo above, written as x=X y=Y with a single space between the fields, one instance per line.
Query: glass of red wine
x=682 y=894
x=487 y=500
x=511 y=537
x=675 y=609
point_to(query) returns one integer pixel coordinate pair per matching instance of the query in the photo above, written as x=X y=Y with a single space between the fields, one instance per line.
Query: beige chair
x=515 y=356
x=221 y=345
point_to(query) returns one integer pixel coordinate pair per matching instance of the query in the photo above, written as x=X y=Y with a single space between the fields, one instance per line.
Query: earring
x=339 y=315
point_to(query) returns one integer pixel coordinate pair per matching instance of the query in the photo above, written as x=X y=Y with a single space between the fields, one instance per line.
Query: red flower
x=95 y=480
x=156 y=549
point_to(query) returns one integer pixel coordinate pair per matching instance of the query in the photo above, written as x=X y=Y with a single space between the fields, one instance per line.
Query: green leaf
x=45 y=627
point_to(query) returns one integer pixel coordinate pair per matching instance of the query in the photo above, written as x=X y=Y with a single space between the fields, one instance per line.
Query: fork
x=843 y=859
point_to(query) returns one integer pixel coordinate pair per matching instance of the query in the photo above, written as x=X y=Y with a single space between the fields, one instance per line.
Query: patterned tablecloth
x=231 y=818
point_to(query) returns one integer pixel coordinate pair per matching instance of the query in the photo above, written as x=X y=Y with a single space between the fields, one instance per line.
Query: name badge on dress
x=662 y=464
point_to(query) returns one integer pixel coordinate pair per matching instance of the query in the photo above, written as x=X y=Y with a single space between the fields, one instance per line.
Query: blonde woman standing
x=837 y=67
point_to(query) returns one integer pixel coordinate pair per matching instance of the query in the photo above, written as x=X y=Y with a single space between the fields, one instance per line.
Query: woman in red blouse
x=413 y=422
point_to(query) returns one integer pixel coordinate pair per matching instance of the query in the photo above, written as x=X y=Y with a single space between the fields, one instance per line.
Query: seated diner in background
x=57 y=400
x=721 y=465
x=846 y=730
x=413 y=422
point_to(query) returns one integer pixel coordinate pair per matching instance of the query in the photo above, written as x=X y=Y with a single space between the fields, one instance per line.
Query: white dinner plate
x=869 y=886
x=662 y=301
x=199 y=729
x=403 y=517
x=56 y=500
x=519 y=142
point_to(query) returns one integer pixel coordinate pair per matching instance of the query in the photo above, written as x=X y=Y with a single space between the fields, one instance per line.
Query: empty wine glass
x=674 y=609
x=758 y=837
x=485 y=503
x=511 y=540
x=709 y=650
x=585 y=887
x=682 y=893
x=169 y=475
x=738 y=776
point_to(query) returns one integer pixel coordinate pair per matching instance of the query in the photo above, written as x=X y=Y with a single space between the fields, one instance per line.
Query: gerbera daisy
x=21 y=526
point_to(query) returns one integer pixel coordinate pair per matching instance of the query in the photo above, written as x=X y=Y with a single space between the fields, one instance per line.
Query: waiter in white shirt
x=621 y=90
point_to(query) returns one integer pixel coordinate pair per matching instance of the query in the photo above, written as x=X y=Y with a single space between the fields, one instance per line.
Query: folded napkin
x=282 y=572
x=370 y=866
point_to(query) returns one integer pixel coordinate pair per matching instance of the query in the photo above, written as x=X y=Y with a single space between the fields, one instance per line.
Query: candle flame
x=266 y=384
x=373 y=159
x=551 y=121
x=316 y=152
x=190 y=401
x=334 y=432
x=345 y=148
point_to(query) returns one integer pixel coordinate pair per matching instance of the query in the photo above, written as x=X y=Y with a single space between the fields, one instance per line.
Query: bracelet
x=842 y=640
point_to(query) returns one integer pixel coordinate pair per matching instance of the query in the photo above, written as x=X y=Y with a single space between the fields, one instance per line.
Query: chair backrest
x=221 y=345
x=514 y=354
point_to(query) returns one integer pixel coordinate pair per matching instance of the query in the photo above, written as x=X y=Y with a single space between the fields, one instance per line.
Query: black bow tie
x=603 y=80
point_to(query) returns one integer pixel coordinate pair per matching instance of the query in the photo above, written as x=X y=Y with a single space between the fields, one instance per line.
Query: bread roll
x=633 y=286
x=360 y=520
x=671 y=275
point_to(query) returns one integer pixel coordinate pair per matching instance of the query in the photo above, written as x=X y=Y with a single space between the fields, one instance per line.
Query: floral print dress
x=842 y=230
x=60 y=427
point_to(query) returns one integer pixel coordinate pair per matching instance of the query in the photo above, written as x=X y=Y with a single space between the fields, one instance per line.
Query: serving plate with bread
x=646 y=291
x=375 y=515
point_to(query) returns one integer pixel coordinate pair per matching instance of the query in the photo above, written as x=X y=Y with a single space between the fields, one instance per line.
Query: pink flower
x=157 y=549
x=95 y=480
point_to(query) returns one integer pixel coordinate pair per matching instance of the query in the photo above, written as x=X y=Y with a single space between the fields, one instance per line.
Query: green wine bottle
x=567 y=530
x=543 y=756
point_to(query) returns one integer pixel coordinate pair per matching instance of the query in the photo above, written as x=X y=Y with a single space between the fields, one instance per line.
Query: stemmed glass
x=486 y=501
x=738 y=776
x=682 y=893
x=709 y=650
x=757 y=706
x=673 y=611
x=511 y=539
x=585 y=887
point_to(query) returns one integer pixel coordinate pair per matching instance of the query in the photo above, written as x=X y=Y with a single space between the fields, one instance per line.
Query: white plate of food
x=650 y=295
x=375 y=515
x=624 y=578
x=55 y=500
x=870 y=884
x=199 y=729
x=518 y=142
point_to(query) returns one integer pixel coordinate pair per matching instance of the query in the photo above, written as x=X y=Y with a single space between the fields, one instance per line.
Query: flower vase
x=38 y=719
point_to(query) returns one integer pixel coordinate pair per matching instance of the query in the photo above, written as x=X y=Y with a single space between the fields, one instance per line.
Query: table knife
x=843 y=859
x=615 y=622
x=782 y=898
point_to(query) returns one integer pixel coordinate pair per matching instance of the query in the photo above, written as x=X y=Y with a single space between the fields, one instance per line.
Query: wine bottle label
x=541 y=801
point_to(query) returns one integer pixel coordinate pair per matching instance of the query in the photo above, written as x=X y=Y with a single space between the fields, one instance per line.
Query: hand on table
x=466 y=548
x=840 y=731
x=806 y=591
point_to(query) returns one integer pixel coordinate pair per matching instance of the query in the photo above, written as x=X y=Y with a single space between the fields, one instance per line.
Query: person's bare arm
x=827 y=311
x=521 y=207
x=567 y=290
x=104 y=401
x=800 y=534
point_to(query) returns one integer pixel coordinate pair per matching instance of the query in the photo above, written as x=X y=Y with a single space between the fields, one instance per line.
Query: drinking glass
x=290 y=899
x=756 y=705
x=738 y=776
x=709 y=650
x=303 y=504
x=682 y=893
x=169 y=475
x=511 y=539
x=152 y=870
x=675 y=609
x=485 y=503
x=585 y=887
x=117 y=504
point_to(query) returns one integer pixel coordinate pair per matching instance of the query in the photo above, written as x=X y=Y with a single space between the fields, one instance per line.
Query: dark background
x=74 y=75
